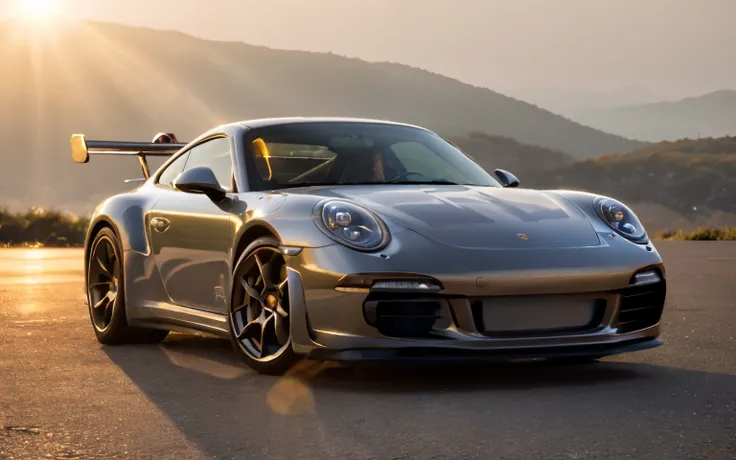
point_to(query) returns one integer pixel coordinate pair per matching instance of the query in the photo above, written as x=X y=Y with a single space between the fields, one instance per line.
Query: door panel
x=191 y=236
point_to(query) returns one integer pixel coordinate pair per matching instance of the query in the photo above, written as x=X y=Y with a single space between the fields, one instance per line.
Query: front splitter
x=454 y=355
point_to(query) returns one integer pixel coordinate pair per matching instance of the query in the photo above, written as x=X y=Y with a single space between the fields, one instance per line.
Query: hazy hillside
x=118 y=82
x=710 y=115
x=493 y=152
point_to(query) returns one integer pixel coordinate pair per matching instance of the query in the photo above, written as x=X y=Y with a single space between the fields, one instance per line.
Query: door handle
x=160 y=224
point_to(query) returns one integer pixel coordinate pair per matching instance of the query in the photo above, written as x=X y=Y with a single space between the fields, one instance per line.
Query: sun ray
x=75 y=80
x=130 y=71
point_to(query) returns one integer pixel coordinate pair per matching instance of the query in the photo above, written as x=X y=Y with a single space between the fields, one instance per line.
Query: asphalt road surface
x=63 y=395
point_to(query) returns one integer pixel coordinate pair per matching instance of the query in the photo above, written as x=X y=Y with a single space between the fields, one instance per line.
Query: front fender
x=288 y=217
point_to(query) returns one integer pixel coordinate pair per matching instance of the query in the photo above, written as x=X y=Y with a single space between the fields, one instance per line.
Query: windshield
x=334 y=153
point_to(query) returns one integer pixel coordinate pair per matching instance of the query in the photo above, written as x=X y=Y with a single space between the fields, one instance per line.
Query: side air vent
x=641 y=306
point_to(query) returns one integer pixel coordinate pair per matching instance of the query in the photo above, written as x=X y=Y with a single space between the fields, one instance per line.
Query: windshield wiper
x=422 y=182
x=400 y=180
x=322 y=184
x=334 y=184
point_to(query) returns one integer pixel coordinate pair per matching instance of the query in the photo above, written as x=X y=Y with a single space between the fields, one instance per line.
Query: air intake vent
x=410 y=318
x=641 y=307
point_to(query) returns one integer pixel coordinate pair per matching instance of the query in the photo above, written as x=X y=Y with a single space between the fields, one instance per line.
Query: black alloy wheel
x=259 y=316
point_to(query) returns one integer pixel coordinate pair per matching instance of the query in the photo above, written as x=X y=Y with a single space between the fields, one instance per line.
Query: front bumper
x=332 y=320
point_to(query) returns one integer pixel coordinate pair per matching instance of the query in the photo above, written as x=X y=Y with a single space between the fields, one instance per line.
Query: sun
x=37 y=8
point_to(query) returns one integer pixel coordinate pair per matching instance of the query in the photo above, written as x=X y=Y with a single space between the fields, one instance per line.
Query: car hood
x=477 y=217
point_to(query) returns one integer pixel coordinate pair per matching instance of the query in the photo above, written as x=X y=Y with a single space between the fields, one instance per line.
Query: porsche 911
x=349 y=239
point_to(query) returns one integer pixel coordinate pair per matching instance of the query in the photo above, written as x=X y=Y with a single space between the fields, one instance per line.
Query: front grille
x=641 y=307
x=536 y=316
x=402 y=317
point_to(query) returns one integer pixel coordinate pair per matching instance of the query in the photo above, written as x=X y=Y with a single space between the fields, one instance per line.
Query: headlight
x=621 y=219
x=351 y=225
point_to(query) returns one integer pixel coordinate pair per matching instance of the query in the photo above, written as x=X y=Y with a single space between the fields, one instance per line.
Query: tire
x=260 y=323
x=105 y=286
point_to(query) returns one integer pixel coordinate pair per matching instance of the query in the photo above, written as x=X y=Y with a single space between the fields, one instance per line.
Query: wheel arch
x=249 y=233
x=125 y=216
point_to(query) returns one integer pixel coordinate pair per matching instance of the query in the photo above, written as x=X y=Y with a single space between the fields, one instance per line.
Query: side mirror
x=200 y=180
x=507 y=179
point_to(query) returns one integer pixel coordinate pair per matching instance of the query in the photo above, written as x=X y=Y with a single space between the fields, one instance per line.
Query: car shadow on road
x=213 y=399
x=215 y=358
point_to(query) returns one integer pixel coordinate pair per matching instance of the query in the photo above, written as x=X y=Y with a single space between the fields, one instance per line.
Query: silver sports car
x=343 y=239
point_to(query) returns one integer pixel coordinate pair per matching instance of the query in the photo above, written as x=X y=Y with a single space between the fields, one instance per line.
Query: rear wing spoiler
x=163 y=145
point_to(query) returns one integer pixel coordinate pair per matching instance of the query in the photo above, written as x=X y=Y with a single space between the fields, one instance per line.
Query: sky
x=563 y=55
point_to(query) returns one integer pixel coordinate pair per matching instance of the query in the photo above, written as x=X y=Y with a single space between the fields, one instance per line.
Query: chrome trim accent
x=290 y=250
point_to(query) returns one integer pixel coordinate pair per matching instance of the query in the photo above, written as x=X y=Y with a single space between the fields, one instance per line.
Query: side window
x=215 y=154
x=173 y=170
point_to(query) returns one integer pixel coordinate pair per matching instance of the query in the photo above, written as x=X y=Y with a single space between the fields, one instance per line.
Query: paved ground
x=62 y=395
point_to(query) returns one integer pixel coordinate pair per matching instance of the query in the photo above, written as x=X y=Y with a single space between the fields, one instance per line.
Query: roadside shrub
x=701 y=234
x=38 y=227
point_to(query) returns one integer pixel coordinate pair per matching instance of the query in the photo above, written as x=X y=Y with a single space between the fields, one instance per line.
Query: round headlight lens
x=621 y=219
x=353 y=225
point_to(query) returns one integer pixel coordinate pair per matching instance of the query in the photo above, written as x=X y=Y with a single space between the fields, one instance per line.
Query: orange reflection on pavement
x=39 y=266
x=291 y=394
x=201 y=364
x=28 y=308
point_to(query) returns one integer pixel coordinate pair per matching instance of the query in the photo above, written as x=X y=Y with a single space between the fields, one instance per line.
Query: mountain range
x=709 y=115
x=117 y=82
x=124 y=83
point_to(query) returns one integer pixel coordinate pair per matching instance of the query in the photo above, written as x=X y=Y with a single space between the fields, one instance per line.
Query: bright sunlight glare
x=37 y=8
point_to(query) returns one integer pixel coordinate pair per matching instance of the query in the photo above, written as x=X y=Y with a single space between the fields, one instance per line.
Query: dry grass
x=701 y=234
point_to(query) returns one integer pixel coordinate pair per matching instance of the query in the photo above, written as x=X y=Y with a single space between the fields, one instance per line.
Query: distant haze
x=564 y=55
x=709 y=115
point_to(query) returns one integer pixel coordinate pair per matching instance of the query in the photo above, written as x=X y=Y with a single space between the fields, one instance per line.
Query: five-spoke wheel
x=259 y=316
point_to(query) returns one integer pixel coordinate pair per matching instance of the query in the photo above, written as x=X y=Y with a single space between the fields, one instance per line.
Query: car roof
x=262 y=122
